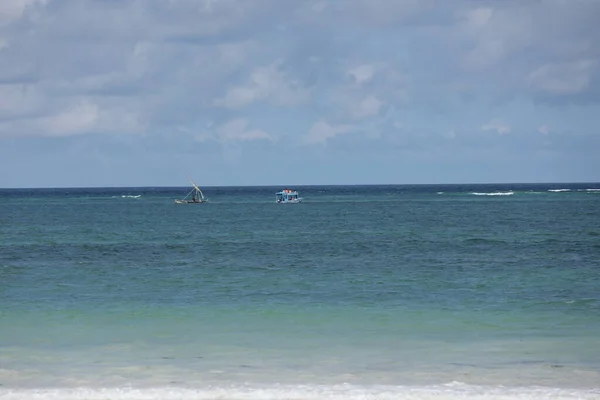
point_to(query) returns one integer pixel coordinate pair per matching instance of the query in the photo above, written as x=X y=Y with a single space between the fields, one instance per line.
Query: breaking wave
x=454 y=390
x=493 y=193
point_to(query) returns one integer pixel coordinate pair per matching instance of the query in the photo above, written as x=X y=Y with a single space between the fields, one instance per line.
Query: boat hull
x=295 y=201
x=189 y=202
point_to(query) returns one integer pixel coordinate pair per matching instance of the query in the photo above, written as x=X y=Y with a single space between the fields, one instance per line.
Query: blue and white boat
x=287 y=196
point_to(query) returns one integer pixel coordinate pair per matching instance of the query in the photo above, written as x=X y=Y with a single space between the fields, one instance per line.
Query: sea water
x=359 y=292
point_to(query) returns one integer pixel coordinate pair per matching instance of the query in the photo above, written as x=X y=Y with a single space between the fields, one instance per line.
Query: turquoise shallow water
x=478 y=291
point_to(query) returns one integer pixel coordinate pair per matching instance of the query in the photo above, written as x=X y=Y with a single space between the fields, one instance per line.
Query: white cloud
x=486 y=52
x=365 y=94
x=81 y=118
x=380 y=13
x=532 y=48
x=17 y=100
x=368 y=107
x=479 y=17
x=268 y=83
x=363 y=73
x=322 y=131
x=497 y=125
x=237 y=130
x=564 y=78
x=493 y=35
x=11 y=10
x=241 y=96
x=544 y=129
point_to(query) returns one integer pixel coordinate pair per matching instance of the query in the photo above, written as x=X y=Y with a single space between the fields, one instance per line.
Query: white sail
x=196 y=193
x=197 y=189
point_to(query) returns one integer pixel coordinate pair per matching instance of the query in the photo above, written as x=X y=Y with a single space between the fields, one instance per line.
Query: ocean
x=359 y=292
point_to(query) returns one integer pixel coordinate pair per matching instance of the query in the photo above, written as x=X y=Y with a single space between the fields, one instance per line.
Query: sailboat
x=197 y=197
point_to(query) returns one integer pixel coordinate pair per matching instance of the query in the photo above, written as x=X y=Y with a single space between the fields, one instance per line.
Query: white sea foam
x=125 y=196
x=592 y=190
x=493 y=193
x=559 y=190
x=454 y=390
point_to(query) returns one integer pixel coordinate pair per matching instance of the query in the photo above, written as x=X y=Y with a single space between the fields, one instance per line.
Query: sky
x=313 y=92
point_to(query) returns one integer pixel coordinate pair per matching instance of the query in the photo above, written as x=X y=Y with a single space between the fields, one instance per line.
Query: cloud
x=369 y=106
x=27 y=111
x=235 y=130
x=321 y=132
x=363 y=92
x=222 y=58
x=362 y=73
x=564 y=78
x=188 y=75
x=81 y=118
x=478 y=17
x=382 y=13
x=497 y=125
x=17 y=101
x=11 y=10
x=268 y=83
x=544 y=129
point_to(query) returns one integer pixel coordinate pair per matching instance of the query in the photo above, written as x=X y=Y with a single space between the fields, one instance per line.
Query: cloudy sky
x=284 y=92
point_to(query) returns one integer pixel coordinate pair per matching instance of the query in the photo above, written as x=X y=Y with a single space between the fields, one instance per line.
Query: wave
x=477 y=241
x=590 y=190
x=127 y=196
x=493 y=193
x=454 y=390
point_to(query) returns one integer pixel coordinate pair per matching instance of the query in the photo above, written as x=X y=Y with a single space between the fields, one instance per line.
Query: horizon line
x=302 y=185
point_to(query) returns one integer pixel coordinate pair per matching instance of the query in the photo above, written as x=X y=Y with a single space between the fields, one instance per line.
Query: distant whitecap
x=493 y=193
